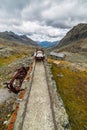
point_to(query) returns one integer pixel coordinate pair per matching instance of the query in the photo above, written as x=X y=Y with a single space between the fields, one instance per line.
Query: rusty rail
x=21 y=96
x=50 y=96
x=51 y=102
x=15 y=84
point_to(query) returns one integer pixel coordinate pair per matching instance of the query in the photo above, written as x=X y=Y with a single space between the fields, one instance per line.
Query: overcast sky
x=42 y=19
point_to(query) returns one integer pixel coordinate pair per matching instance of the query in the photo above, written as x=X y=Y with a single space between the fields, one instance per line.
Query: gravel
x=5 y=95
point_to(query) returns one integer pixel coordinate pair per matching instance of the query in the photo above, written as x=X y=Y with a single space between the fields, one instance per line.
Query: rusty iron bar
x=15 y=84
x=27 y=100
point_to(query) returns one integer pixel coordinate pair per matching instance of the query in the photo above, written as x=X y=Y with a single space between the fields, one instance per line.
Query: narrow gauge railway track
x=37 y=112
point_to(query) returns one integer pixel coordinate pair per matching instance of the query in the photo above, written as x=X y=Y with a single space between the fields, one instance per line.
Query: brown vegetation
x=72 y=86
x=13 y=55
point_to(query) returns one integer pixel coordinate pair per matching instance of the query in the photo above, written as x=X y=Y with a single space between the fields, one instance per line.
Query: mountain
x=75 y=34
x=74 y=70
x=47 y=44
x=18 y=38
x=74 y=45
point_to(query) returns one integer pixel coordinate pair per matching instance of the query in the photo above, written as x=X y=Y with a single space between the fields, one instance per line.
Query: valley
x=70 y=74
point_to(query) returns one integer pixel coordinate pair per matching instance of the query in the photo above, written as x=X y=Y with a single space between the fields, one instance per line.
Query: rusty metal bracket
x=15 y=84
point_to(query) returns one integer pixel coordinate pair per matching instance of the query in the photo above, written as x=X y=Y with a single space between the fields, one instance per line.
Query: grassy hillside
x=12 y=56
x=71 y=75
x=79 y=46
x=72 y=86
x=11 y=36
x=76 y=33
x=75 y=52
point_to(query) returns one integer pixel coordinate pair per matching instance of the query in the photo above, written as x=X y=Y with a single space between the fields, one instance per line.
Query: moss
x=72 y=87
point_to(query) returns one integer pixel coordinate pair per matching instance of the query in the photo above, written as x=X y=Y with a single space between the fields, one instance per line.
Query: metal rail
x=24 y=113
x=29 y=90
x=51 y=103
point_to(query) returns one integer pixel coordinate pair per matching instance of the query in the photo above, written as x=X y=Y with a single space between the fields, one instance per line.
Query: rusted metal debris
x=15 y=84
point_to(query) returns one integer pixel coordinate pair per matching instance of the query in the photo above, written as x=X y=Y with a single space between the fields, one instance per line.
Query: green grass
x=73 y=90
x=8 y=60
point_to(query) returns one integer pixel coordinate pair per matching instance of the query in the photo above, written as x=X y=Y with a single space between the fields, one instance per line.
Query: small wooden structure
x=57 y=56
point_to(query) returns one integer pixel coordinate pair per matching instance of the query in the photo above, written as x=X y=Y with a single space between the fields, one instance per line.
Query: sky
x=42 y=20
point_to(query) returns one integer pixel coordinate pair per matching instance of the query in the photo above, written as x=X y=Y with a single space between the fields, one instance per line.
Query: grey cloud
x=56 y=36
x=65 y=16
x=11 y=5
x=58 y=14
x=58 y=24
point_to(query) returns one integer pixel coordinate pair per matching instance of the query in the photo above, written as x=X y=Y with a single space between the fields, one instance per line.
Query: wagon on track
x=39 y=55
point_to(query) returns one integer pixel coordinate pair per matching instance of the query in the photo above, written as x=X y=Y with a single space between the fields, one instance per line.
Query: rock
x=5 y=122
x=76 y=33
x=60 y=75
x=19 y=100
x=61 y=117
x=5 y=95
x=8 y=115
x=66 y=124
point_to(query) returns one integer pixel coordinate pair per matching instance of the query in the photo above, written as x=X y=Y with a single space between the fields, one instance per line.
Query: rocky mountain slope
x=75 y=34
x=74 y=45
x=11 y=51
x=13 y=55
x=71 y=75
x=18 y=38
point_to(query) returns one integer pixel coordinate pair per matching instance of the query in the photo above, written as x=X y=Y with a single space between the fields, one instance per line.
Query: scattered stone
x=5 y=95
x=65 y=124
x=19 y=100
x=8 y=115
x=5 y=122
x=61 y=116
x=60 y=75
x=57 y=62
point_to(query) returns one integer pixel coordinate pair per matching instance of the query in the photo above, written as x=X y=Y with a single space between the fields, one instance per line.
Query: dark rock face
x=76 y=33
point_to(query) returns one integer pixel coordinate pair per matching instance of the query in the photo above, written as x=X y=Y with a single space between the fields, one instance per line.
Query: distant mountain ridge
x=76 y=33
x=75 y=40
x=47 y=44
x=19 y=38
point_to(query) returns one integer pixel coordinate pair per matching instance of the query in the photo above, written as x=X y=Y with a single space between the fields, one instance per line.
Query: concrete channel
x=35 y=112
x=41 y=107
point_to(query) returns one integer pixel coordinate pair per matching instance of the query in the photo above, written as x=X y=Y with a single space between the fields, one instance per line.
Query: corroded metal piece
x=15 y=84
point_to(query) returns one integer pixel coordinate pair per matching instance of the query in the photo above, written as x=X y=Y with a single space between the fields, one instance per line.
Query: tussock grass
x=11 y=58
x=72 y=87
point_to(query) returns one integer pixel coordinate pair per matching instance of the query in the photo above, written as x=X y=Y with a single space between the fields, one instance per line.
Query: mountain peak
x=9 y=35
